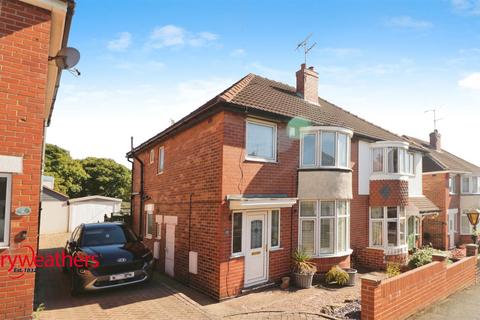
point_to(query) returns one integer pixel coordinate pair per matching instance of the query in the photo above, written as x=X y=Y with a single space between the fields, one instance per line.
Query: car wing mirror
x=72 y=244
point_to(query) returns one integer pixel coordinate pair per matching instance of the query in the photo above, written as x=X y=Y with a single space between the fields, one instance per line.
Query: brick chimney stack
x=307 y=84
x=436 y=140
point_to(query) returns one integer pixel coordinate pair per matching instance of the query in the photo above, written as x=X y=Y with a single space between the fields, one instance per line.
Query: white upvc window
x=152 y=156
x=150 y=225
x=466 y=227
x=470 y=184
x=452 y=184
x=325 y=147
x=161 y=159
x=324 y=227
x=5 y=202
x=387 y=227
x=392 y=160
x=261 y=141
x=237 y=233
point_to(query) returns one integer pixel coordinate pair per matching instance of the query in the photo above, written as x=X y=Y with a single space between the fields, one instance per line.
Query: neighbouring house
x=453 y=184
x=225 y=195
x=31 y=31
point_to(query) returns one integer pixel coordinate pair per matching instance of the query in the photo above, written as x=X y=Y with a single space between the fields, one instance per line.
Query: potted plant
x=352 y=274
x=337 y=275
x=303 y=269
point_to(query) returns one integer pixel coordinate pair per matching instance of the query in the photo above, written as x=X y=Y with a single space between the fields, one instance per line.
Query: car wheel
x=75 y=287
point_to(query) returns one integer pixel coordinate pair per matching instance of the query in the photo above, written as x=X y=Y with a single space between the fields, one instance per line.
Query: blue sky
x=145 y=63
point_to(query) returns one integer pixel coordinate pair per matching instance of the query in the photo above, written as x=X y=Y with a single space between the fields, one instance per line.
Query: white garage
x=54 y=216
x=91 y=209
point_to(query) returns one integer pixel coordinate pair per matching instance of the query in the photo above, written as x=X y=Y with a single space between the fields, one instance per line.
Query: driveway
x=154 y=300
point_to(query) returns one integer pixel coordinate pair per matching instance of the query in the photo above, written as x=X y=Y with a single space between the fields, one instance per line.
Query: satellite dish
x=67 y=58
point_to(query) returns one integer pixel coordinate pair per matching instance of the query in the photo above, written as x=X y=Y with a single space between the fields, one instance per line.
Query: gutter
x=66 y=32
x=131 y=155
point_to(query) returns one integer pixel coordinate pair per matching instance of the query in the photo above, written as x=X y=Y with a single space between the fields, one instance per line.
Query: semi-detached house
x=225 y=195
x=453 y=184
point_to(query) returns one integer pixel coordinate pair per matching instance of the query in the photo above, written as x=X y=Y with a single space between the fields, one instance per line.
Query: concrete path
x=462 y=305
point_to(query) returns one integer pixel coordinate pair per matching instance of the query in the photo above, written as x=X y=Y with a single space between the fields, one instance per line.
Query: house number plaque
x=23 y=211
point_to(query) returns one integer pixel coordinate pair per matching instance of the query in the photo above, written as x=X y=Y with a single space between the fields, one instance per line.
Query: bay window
x=5 y=198
x=387 y=227
x=392 y=160
x=261 y=140
x=325 y=147
x=324 y=227
x=465 y=225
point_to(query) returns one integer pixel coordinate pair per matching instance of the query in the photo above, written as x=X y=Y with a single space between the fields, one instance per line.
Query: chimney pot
x=436 y=140
x=307 y=84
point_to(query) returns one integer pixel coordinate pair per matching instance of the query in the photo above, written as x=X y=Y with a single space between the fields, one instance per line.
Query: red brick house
x=226 y=194
x=30 y=32
x=453 y=184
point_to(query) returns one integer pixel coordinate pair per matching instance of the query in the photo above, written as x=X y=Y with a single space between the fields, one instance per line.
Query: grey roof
x=442 y=160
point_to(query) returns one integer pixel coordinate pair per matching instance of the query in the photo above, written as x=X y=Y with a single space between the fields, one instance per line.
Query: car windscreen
x=106 y=235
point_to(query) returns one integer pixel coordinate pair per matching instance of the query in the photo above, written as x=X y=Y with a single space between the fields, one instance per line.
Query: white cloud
x=469 y=7
x=408 y=22
x=471 y=81
x=341 y=52
x=238 y=53
x=174 y=36
x=121 y=43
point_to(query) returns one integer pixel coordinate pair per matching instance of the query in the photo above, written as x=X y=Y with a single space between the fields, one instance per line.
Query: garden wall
x=401 y=296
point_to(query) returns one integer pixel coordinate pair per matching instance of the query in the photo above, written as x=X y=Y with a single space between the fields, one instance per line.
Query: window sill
x=334 y=255
x=148 y=236
x=236 y=256
x=254 y=159
x=325 y=169
x=4 y=247
x=275 y=249
x=159 y=173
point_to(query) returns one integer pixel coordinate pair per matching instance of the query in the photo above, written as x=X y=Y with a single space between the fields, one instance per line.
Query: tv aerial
x=435 y=119
x=66 y=59
x=306 y=48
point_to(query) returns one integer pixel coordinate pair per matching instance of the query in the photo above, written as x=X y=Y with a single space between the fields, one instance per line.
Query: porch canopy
x=260 y=201
x=421 y=206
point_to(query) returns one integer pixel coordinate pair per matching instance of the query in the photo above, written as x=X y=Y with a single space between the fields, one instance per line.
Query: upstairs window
x=261 y=141
x=392 y=160
x=325 y=148
x=161 y=159
x=452 y=184
x=470 y=184
x=152 y=156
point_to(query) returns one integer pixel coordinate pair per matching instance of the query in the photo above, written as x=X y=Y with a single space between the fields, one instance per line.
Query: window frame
x=274 y=140
x=452 y=184
x=152 y=156
x=319 y=133
x=147 y=234
x=463 y=215
x=403 y=156
x=400 y=216
x=8 y=203
x=317 y=227
x=242 y=240
x=470 y=185
x=161 y=160
x=270 y=246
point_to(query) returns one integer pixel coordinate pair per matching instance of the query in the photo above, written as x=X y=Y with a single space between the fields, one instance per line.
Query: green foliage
x=90 y=176
x=393 y=269
x=36 y=313
x=337 y=275
x=302 y=263
x=68 y=173
x=422 y=257
x=106 y=177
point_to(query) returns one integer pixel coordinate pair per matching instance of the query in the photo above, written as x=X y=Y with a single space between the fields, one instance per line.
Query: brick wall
x=24 y=42
x=385 y=193
x=403 y=295
x=192 y=166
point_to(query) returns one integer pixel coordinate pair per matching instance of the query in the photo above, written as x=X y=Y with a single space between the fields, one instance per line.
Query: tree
x=68 y=173
x=87 y=177
x=106 y=177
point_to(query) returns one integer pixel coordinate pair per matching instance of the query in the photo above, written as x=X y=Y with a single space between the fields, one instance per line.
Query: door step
x=257 y=287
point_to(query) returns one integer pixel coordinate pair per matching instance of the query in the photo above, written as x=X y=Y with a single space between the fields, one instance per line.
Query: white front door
x=256 y=256
x=169 y=249
x=452 y=216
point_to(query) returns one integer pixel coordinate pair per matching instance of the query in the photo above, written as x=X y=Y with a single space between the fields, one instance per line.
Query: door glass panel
x=3 y=204
x=256 y=234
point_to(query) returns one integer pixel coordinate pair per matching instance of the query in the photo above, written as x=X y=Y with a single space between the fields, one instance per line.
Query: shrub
x=302 y=263
x=393 y=269
x=422 y=257
x=337 y=275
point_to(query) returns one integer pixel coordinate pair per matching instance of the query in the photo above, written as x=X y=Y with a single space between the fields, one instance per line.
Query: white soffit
x=11 y=164
x=261 y=203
